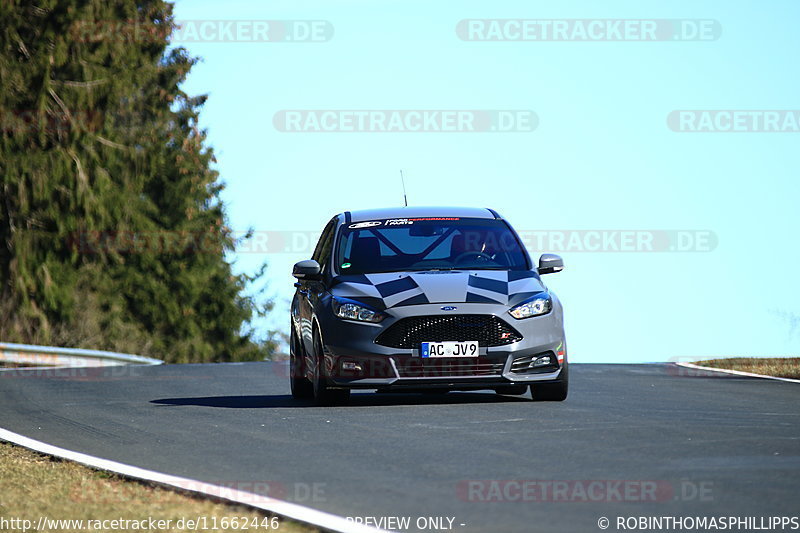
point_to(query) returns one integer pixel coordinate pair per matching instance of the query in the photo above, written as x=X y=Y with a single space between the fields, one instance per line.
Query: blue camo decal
x=387 y=290
x=514 y=275
x=488 y=284
x=414 y=300
x=396 y=286
x=478 y=299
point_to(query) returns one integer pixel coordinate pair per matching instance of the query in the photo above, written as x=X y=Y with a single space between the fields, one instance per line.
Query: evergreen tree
x=112 y=232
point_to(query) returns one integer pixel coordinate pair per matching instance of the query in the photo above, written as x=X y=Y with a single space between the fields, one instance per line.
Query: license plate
x=449 y=349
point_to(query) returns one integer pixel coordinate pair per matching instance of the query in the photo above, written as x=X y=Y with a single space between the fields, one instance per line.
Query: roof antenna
x=403 y=181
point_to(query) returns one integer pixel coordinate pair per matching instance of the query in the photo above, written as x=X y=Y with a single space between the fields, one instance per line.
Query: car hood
x=395 y=289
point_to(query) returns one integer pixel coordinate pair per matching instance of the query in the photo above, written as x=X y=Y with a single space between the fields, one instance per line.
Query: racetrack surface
x=710 y=444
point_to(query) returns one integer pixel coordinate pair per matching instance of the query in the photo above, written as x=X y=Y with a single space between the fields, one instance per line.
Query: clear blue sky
x=601 y=158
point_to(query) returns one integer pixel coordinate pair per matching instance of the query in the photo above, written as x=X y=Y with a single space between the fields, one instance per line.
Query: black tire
x=322 y=392
x=512 y=390
x=552 y=392
x=302 y=388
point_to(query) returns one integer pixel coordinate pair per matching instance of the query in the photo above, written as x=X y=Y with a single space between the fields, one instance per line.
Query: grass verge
x=781 y=367
x=34 y=485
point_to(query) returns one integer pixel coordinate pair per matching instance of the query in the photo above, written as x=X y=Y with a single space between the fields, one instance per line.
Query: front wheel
x=323 y=393
x=552 y=392
x=301 y=387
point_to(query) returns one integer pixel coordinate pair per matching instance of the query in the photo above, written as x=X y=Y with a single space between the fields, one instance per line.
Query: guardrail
x=51 y=356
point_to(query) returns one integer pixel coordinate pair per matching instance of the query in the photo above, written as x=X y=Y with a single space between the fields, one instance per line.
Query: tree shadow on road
x=357 y=399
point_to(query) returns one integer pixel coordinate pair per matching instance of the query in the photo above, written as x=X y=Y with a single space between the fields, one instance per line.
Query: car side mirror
x=550 y=264
x=306 y=270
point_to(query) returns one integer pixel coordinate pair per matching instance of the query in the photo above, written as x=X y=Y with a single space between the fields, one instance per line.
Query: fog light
x=351 y=366
x=540 y=361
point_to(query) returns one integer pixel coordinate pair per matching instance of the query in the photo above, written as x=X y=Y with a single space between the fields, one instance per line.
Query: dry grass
x=33 y=485
x=782 y=367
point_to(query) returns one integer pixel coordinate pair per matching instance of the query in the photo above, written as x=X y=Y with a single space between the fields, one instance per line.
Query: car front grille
x=409 y=332
x=448 y=367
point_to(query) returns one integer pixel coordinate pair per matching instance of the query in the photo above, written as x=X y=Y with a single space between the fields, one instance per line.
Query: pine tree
x=112 y=232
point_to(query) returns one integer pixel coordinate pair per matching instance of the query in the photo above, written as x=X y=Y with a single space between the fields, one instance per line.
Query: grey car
x=425 y=299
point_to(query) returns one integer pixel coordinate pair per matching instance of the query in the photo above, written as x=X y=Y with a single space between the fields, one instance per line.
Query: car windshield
x=409 y=244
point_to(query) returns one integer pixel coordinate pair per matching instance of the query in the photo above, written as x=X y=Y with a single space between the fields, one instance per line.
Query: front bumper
x=354 y=360
x=369 y=373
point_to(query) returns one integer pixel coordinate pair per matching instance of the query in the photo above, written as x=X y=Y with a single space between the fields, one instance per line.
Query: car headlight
x=352 y=310
x=541 y=304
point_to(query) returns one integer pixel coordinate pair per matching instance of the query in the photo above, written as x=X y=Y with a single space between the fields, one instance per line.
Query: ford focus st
x=425 y=299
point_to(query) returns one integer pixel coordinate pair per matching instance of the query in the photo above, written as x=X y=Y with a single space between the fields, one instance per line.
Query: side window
x=322 y=253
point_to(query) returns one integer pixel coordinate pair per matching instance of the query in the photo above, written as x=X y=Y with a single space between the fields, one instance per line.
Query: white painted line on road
x=287 y=509
x=735 y=372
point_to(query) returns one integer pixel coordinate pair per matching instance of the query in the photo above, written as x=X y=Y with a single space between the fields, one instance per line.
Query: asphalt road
x=631 y=440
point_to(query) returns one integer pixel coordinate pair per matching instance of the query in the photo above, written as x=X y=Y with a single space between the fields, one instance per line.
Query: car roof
x=365 y=215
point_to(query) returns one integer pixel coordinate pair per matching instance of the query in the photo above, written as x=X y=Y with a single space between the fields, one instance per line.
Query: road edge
x=299 y=513
x=734 y=372
x=59 y=357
